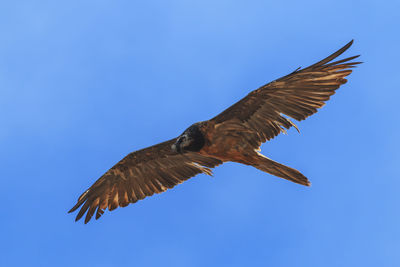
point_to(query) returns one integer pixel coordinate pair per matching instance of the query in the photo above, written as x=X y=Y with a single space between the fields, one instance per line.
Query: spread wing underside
x=141 y=174
x=262 y=113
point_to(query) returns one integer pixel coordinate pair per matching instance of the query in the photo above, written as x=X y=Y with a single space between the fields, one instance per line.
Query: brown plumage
x=234 y=135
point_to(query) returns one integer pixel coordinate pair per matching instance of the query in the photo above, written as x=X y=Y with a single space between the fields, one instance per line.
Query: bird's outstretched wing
x=297 y=95
x=142 y=173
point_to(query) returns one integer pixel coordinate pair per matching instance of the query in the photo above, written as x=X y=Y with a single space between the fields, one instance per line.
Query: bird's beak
x=177 y=146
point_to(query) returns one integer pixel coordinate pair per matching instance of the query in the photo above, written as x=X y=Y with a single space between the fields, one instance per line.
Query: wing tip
x=74 y=208
x=351 y=42
x=346 y=46
x=87 y=218
x=302 y=181
x=333 y=55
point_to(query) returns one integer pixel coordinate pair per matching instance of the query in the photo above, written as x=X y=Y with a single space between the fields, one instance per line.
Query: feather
x=296 y=95
x=140 y=174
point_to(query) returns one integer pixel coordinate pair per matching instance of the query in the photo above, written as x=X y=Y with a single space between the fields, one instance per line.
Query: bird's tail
x=267 y=165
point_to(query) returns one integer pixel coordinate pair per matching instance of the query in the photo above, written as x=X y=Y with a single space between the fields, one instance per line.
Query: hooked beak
x=177 y=146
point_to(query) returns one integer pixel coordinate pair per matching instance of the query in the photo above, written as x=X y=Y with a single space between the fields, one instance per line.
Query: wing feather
x=262 y=113
x=141 y=174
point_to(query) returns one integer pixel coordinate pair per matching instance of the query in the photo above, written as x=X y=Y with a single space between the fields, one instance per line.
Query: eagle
x=234 y=135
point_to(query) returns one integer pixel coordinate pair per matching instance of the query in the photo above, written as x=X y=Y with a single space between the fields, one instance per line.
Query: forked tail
x=267 y=165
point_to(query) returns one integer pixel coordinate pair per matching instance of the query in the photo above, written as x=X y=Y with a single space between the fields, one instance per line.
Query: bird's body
x=234 y=135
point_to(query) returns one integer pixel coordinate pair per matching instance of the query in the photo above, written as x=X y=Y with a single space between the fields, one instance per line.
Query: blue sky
x=83 y=83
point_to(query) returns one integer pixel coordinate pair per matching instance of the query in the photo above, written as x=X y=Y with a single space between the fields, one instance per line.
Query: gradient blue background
x=83 y=83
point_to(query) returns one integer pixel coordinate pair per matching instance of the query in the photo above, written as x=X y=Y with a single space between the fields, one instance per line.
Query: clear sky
x=83 y=83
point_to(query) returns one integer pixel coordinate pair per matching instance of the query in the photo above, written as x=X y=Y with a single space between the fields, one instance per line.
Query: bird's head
x=192 y=139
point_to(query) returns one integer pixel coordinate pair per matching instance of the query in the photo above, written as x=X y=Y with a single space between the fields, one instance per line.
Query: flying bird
x=235 y=135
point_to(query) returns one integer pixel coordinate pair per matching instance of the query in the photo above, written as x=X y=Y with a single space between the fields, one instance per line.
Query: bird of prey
x=234 y=135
